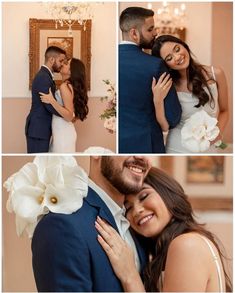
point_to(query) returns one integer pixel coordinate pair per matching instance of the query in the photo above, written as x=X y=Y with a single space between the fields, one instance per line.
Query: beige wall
x=17 y=267
x=91 y=132
x=209 y=36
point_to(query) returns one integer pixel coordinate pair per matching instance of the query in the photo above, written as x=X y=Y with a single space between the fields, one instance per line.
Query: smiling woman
x=189 y=256
x=201 y=90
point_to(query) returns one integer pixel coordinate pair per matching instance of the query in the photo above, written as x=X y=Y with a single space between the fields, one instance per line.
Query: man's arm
x=60 y=256
x=171 y=102
x=43 y=86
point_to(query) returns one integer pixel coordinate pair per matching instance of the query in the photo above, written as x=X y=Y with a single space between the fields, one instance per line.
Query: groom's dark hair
x=133 y=17
x=52 y=51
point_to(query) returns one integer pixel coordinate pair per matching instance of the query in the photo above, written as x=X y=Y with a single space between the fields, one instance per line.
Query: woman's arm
x=160 y=90
x=65 y=111
x=121 y=257
x=223 y=101
x=188 y=265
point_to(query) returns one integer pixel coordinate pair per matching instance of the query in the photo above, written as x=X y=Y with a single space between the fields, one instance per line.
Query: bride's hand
x=119 y=253
x=47 y=98
x=161 y=88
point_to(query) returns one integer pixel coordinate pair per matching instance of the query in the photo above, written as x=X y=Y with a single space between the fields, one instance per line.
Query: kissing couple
x=134 y=232
x=54 y=111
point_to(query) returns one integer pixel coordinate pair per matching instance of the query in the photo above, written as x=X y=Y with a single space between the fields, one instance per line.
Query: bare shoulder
x=218 y=71
x=66 y=87
x=188 y=244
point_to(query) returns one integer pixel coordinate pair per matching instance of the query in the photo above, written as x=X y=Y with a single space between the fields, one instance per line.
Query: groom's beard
x=56 y=68
x=144 y=44
x=115 y=175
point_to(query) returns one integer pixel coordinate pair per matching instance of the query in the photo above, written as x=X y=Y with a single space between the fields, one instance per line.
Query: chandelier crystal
x=69 y=13
x=170 y=19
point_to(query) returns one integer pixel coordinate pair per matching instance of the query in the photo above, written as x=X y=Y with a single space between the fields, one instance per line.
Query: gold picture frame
x=42 y=29
x=220 y=199
x=178 y=32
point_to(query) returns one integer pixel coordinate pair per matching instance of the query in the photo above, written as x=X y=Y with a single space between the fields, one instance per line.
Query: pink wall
x=90 y=132
x=222 y=51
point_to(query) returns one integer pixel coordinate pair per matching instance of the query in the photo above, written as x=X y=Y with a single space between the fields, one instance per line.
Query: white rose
x=198 y=131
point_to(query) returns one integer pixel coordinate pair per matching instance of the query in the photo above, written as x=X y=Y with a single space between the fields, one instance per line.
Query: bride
x=198 y=87
x=71 y=104
x=183 y=255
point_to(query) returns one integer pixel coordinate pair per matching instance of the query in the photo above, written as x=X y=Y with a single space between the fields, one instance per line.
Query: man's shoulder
x=84 y=209
x=43 y=72
x=138 y=56
x=42 y=76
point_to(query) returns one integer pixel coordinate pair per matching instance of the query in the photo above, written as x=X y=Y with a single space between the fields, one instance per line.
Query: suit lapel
x=103 y=211
x=53 y=85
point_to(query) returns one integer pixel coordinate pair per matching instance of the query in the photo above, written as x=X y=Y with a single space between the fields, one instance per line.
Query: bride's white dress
x=64 y=135
x=188 y=101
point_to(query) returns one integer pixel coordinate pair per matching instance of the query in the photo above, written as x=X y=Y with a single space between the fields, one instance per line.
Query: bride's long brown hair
x=78 y=82
x=182 y=222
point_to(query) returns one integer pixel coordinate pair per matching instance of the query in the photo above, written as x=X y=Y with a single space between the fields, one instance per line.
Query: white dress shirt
x=128 y=43
x=120 y=220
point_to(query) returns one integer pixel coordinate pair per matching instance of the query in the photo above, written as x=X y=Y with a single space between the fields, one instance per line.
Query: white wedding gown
x=188 y=101
x=64 y=135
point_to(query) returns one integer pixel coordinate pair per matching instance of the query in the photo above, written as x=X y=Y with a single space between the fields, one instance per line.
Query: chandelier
x=69 y=13
x=170 y=19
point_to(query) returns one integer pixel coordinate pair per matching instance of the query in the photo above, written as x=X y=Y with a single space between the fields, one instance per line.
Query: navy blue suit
x=67 y=255
x=38 y=122
x=139 y=131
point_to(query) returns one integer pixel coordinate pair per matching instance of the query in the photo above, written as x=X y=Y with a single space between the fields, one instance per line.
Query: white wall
x=198 y=25
x=15 y=46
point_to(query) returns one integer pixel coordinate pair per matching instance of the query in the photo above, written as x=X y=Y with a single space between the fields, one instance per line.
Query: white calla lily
x=55 y=184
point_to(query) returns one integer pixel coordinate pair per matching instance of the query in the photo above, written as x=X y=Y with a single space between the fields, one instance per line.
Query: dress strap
x=213 y=72
x=216 y=260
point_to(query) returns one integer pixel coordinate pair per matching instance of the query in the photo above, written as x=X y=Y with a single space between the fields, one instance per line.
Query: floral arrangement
x=48 y=184
x=109 y=114
x=198 y=132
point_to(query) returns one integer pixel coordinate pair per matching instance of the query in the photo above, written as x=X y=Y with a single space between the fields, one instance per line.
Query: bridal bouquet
x=48 y=184
x=109 y=114
x=198 y=131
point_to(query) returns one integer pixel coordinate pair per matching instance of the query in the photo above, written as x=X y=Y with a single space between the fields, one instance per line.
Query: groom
x=66 y=254
x=38 y=122
x=139 y=131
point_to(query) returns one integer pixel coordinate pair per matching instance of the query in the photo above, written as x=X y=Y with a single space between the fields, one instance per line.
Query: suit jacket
x=38 y=122
x=67 y=255
x=139 y=131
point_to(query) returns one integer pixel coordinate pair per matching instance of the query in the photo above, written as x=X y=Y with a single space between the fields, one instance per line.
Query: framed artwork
x=207 y=180
x=205 y=169
x=65 y=43
x=42 y=33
